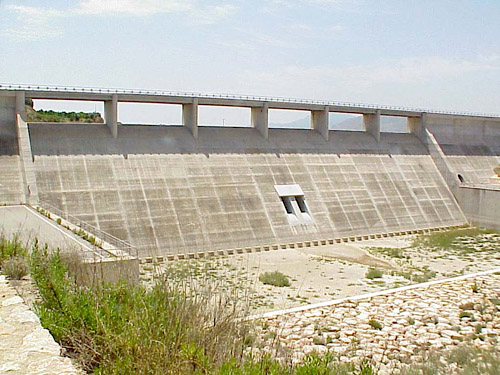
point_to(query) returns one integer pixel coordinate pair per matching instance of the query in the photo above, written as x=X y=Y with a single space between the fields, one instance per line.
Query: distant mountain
x=305 y=123
x=341 y=121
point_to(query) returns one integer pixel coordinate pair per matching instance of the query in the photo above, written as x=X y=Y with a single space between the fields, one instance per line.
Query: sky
x=436 y=54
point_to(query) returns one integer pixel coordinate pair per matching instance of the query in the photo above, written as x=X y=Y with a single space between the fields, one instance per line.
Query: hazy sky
x=440 y=54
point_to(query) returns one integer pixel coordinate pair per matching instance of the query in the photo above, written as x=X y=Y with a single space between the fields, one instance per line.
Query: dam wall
x=167 y=192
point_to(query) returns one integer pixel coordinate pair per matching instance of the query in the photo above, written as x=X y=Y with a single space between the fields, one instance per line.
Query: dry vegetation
x=171 y=327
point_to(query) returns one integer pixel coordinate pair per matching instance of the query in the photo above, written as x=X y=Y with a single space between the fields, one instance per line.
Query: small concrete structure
x=481 y=204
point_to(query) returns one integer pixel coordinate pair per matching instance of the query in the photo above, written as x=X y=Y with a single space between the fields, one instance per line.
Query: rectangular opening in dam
x=393 y=124
x=231 y=117
x=150 y=113
x=289 y=119
x=67 y=106
x=345 y=122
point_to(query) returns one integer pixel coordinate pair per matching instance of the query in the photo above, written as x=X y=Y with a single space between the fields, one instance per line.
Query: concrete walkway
x=26 y=348
x=28 y=223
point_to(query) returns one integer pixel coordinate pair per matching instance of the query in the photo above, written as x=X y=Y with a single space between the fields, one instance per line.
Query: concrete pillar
x=320 y=121
x=111 y=114
x=371 y=124
x=26 y=158
x=190 y=117
x=260 y=119
x=20 y=102
x=416 y=125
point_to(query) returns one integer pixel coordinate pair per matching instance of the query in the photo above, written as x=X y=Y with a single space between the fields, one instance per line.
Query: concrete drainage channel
x=292 y=245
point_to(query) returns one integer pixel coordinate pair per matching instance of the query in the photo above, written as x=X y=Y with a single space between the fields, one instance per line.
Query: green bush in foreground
x=274 y=278
x=125 y=329
x=10 y=248
x=374 y=273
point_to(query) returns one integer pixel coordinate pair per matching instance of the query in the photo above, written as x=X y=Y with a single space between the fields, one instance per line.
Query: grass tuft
x=274 y=278
x=374 y=273
x=15 y=268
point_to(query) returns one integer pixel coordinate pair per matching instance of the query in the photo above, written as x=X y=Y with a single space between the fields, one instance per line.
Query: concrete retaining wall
x=166 y=192
x=481 y=205
x=471 y=146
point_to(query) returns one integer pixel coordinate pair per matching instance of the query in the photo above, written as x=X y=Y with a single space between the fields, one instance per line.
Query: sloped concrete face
x=166 y=192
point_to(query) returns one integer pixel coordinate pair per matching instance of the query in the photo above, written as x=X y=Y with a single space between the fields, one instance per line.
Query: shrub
x=11 y=248
x=129 y=329
x=375 y=324
x=497 y=171
x=15 y=267
x=275 y=278
x=374 y=273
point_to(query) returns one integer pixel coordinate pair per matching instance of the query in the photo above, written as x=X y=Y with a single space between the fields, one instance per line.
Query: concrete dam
x=187 y=189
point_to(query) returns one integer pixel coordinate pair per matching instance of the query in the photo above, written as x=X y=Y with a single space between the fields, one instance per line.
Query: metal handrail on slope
x=96 y=90
x=102 y=235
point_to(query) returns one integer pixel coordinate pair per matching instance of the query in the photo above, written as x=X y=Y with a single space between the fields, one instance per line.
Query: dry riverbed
x=329 y=272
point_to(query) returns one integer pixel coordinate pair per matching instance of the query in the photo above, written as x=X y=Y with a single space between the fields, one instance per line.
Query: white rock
x=12 y=301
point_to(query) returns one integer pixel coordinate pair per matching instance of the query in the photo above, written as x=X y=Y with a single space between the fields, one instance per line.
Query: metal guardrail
x=97 y=90
x=98 y=233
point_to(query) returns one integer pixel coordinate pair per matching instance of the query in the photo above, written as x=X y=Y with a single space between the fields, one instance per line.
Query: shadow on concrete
x=95 y=139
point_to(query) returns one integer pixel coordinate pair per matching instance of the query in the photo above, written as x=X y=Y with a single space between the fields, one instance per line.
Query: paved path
x=25 y=346
x=30 y=224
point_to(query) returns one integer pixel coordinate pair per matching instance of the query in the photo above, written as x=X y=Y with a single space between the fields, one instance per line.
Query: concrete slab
x=29 y=224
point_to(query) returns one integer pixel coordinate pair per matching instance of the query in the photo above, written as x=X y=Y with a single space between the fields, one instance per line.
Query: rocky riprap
x=388 y=329
x=25 y=346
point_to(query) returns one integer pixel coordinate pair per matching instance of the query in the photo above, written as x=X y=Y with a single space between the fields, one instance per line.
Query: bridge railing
x=102 y=235
x=100 y=90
